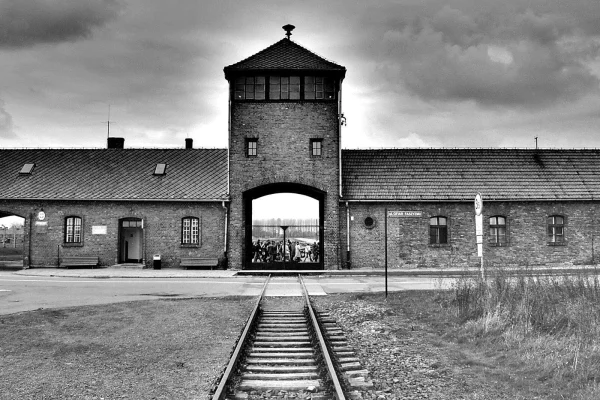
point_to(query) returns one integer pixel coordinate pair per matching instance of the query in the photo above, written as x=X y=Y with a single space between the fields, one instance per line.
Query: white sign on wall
x=405 y=214
x=99 y=230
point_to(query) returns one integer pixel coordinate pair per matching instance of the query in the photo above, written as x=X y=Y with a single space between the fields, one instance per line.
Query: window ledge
x=498 y=244
x=193 y=245
x=284 y=100
x=72 y=244
x=440 y=245
x=557 y=244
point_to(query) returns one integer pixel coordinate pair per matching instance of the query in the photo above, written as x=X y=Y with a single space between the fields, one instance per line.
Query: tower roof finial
x=288 y=30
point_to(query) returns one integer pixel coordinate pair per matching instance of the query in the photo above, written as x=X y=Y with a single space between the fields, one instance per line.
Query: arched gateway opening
x=284 y=227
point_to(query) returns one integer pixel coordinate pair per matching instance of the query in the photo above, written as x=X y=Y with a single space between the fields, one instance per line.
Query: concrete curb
x=107 y=273
x=103 y=273
x=428 y=272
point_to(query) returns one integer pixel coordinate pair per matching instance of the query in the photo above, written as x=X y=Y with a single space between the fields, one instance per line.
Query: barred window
x=189 y=230
x=498 y=230
x=73 y=230
x=284 y=88
x=250 y=88
x=556 y=229
x=438 y=230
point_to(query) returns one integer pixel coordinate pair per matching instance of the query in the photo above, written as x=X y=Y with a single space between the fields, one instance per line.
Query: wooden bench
x=199 y=262
x=79 y=261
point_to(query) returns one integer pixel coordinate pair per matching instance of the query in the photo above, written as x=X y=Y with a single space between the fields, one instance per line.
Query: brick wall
x=408 y=238
x=284 y=131
x=162 y=230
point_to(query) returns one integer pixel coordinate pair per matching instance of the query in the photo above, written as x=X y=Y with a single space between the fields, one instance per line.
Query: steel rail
x=220 y=391
x=339 y=394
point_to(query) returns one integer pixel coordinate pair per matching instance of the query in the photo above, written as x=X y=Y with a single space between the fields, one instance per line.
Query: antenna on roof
x=108 y=123
x=288 y=30
x=536 y=142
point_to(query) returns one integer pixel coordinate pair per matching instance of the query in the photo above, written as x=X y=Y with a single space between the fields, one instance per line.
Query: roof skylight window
x=27 y=169
x=160 y=169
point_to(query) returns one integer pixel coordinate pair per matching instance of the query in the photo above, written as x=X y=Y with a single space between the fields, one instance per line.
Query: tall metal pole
x=386 y=255
x=284 y=227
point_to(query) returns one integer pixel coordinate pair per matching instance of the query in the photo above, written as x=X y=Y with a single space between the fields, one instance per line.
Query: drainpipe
x=348 y=261
x=225 y=238
x=144 y=246
x=30 y=237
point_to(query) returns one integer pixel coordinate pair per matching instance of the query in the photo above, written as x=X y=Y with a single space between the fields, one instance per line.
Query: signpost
x=395 y=214
x=386 y=272
x=479 y=229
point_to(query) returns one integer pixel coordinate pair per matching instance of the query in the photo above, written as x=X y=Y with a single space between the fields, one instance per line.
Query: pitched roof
x=458 y=174
x=114 y=174
x=285 y=55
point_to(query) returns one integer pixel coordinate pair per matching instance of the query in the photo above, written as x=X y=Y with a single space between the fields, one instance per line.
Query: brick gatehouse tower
x=284 y=137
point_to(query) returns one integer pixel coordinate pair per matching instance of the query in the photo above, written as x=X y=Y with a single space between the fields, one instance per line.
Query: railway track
x=283 y=350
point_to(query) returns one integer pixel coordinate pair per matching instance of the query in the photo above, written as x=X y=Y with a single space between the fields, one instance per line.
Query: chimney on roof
x=116 y=142
x=288 y=30
x=189 y=143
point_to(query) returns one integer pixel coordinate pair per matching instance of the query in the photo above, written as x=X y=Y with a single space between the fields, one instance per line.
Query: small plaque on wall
x=41 y=226
x=99 y=230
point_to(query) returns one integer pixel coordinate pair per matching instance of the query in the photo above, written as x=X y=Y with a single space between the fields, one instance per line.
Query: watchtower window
x=284 y=88
x=316 y=147
x=250 y=88
x=251 y=147
x=319 y=88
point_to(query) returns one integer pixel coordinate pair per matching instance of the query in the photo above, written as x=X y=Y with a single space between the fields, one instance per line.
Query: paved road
x=24 y=293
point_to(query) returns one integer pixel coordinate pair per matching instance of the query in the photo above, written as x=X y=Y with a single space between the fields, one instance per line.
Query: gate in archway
x=285 y=247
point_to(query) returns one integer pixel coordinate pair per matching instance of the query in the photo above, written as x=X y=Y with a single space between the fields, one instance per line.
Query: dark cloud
x=6 y=123
x=520 y=59
x=30 y=22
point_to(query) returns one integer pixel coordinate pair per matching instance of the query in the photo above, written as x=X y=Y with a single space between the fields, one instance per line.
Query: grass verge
x=553 y=322
x=160 y=349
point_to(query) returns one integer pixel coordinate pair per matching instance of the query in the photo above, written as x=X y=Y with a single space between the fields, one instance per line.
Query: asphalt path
x=19 y=293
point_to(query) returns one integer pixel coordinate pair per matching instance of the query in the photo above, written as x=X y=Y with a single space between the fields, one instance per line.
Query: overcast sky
x=421 y=73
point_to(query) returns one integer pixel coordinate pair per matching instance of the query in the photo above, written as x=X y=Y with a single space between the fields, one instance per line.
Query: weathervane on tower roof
x=288 y=30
